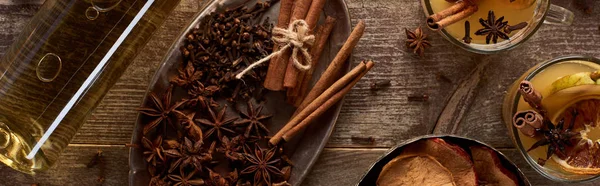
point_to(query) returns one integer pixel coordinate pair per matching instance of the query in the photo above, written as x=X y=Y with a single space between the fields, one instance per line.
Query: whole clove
x=585 y=5
x=96 y=159
x=441 y=77
x=510 y=28
x=418 y=98
x=467 y=39
x=363 y=140
x=378 y=85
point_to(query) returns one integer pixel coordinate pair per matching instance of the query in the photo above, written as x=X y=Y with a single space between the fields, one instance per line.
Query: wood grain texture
x=386 y=115
x=72 y=169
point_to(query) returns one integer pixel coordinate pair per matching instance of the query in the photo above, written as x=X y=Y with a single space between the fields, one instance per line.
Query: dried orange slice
x=573 y=104
x=584 y=156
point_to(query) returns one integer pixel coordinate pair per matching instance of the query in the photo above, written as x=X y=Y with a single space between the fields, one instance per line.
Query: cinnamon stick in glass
x=335 y=67
x=452 y=14
x=453 y=18
x=531 y=95
x=321 y=99
x=330 y=97
x=322 y=35
x=276 y=71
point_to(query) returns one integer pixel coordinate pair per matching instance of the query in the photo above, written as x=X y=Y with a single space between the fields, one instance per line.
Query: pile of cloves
x=226 y=43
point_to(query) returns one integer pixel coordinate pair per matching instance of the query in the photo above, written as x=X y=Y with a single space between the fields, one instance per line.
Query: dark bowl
x=305 y=148
x=370 y=178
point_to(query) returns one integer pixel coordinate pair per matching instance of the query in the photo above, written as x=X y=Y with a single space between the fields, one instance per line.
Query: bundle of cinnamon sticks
x=452 y=14
x=328 y=90
x=282 y=74
x=330 y=87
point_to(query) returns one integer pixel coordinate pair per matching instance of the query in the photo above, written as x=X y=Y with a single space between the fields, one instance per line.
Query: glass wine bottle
x=61 y=66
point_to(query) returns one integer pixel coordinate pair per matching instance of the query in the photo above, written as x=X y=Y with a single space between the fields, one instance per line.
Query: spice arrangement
x=211 y=125
x=491 y=20
x=558 y=119
x=434 y=161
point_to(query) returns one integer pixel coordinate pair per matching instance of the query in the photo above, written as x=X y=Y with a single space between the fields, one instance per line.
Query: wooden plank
x=387 y=115
x=337 y=166
x=72 y=169
x=342 y=166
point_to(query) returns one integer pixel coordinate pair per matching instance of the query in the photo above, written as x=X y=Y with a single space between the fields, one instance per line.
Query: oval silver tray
x=305 y=149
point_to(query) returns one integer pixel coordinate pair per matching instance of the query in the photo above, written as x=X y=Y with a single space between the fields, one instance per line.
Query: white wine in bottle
x=61 y=66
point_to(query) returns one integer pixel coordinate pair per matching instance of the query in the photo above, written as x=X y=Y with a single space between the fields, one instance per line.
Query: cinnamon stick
x=301 y=8
x=311 y=17
x=322 y=35
x=470 y=10
x=314 y=13
x=527 y=122
x=276 y=71
x=329 y=101
x=452 y=14
x=531 y=95
x=336 y=87
x=335 y=67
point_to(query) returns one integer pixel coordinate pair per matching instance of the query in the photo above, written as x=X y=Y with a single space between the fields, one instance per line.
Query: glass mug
x=544 y=13
x=61 y=66
x=512 y=102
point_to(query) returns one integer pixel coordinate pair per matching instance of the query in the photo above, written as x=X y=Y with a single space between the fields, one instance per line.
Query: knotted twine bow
x=294 y=36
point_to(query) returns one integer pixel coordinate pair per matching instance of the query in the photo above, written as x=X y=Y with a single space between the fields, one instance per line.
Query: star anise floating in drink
x=190 y=136
x=417 y=41
x=557 y=138
x=496 y=28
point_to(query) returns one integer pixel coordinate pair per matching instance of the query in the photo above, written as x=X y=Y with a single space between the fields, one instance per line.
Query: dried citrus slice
x=575 y=100
x=584 y=156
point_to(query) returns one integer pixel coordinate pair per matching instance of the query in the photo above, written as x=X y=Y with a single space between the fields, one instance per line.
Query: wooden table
x=472 y=93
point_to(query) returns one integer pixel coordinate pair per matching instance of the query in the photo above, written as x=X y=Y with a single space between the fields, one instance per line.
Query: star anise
x=190 y=154
x=202 y=96
x=160 y=109
x=252 y=120
x=493 y=28
x=556 y=138
x=187 y=121
x=153 y=150
x=417 y=41
x=187 y=75
x=186 y=180
x=216 y=179
x=158 y=181
x=261 y=164
x=231 y=148
x=218 y=125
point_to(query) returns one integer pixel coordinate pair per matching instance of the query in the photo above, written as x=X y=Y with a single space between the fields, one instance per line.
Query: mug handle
x=557 y=15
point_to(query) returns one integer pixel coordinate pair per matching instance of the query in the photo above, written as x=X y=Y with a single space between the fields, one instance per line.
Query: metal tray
x=370 y=178
x=305 y=149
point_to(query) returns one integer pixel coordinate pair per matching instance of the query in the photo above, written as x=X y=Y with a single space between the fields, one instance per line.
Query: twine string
x=296 y=36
